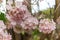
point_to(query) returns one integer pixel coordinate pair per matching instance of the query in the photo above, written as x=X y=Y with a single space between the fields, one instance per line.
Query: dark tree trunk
x=57 y=10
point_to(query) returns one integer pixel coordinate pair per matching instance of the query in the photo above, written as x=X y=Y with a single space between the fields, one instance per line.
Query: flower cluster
x=3 y=33
x=19 y=15
x=9 y=4
x=30 y=23
x=46 y=26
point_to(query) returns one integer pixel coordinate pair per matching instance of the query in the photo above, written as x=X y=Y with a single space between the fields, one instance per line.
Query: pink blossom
x=10 y=2
x=18 y=4
x=17 y=15
x=2 y=26
x=8 y=7
x=11 y=23
x=47 y=26
x=7 y=37
x=30 y=23
x=3 y=33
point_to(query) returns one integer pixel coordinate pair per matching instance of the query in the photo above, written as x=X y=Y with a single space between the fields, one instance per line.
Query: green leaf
x=35 y=32
x=23 y=32
x=2 y=16
x=36 y=37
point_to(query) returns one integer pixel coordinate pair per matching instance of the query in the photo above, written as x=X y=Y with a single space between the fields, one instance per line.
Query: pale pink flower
x=1 y=37
x=10 y=2
x=3 y=33
x=17 y=15
x=47 y=26
x=11 y=23
x=30 y=23
x=18 y=4
x=8 y=7
x=22 y=17
x=7 y=37
x=2 y=26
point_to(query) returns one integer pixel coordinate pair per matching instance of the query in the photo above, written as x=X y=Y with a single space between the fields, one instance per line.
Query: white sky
x=2 y=6
x=43 y=5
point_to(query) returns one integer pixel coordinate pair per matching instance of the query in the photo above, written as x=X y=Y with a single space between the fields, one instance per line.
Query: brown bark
x=57 y=10
x=57 y=14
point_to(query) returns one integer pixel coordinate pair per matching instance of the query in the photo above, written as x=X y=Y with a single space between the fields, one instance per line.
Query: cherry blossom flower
x=18 y=3
x=30 y=23
x=17 y=14
x=2 y=26
x=8 y=7
x=3 y=33
x=46 y=26
x=9 y=2
x=10 y=23
x=7 y=37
